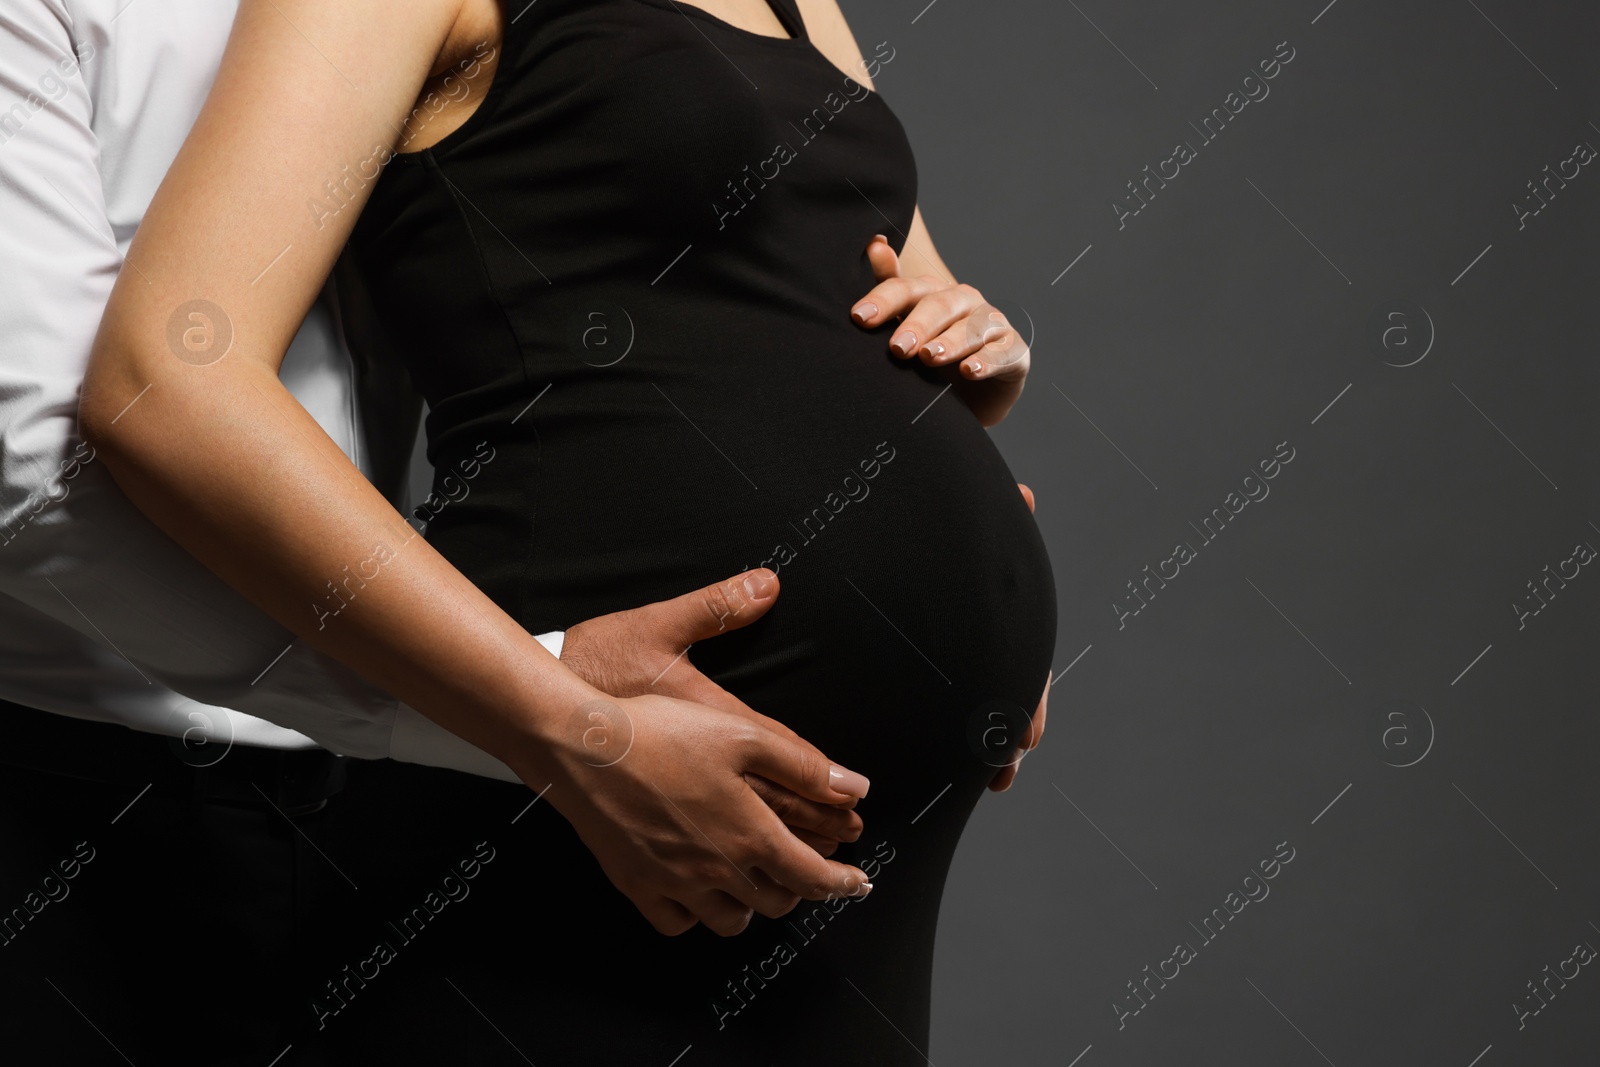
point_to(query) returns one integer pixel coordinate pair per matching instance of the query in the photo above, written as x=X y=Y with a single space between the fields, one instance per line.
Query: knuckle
x=732 y=926
x=669 y=922
x=1007 y=348
x=780 y=905
x=743 y=850
x=818 y=888
x=720 y=603
x=746 y=737
x=939 y=304
x=712 y=871
x=811 y=765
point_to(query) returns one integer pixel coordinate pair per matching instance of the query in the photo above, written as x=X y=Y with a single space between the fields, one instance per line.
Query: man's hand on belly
x=644 y=650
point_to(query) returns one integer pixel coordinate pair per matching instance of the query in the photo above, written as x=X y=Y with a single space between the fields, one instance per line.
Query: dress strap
x=789 y=14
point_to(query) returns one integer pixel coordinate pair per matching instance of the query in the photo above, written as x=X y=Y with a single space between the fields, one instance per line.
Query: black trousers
x=301 y=910
x=166 y=906
x=154 y=901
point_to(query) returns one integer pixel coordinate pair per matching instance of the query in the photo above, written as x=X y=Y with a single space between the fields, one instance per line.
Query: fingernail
x=936 y=349
x=847 y=782
x=864 y=311
x=904 y=342
x=757 y=584
x=862 y=889
x=880 y=237
x=974 y=366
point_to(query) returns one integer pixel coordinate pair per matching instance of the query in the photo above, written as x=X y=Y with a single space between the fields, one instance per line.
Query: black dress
x=623 y=287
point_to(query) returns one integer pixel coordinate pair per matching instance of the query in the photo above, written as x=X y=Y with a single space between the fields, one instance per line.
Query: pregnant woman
x=632 y=253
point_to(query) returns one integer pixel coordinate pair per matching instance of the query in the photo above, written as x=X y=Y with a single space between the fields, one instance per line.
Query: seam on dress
x=530 y=489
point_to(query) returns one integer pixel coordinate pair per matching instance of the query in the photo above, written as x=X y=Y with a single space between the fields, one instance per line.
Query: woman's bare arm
x=986 y=366
x=183 y=403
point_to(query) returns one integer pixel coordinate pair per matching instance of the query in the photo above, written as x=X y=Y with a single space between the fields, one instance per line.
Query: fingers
x=943 y=323
x=715 y=609
x=964 y=338
x=667 y=916
x=769 y=875
x=760 y=892
x=690 y=684
x=726 y=920
x=1008 y=774
x=822 y=879
x=1004 y=356
x=770 y=872
x=728 y=913
x=948 y=323
x=885 y=264
x=787 y=862
x=798 y=813
x=1027 y=494
x=893 y=297
x=982 y=340
x=1036 y=728
x=796 y=764
x=949 y=317
x=822 y=846
x=628 y=653
x=723 y=914
x=720 y=838
x=736 y=896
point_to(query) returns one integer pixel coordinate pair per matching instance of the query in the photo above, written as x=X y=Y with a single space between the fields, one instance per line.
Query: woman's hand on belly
x=951 y=325
x=642 y=651
x=1030 y=740
x=657 y=789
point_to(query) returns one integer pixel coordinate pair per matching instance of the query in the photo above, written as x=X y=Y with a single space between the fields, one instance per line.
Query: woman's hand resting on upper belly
x=947 y=324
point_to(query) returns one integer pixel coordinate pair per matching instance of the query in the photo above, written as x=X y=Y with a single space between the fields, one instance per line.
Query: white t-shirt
x=102 y=616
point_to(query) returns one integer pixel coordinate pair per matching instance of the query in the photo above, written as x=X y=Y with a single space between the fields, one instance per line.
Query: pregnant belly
x=916 y=594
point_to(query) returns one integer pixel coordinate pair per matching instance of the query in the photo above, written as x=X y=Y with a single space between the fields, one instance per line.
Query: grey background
x=1225 y=717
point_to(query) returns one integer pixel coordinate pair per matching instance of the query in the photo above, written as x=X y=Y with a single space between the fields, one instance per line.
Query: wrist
x=543 y=720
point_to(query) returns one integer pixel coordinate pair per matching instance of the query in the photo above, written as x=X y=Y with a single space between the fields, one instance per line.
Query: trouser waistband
x=296 y=781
